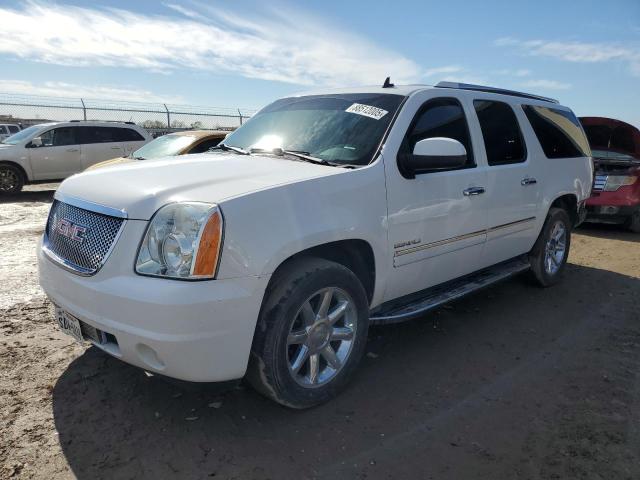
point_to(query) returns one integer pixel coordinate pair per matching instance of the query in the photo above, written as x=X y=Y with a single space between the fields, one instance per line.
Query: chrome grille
x=85 y=253
x=599 y=183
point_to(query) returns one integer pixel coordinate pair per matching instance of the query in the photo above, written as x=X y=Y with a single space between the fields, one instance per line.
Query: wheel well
x=25 y=178
x=569 y=203
x=356 y=255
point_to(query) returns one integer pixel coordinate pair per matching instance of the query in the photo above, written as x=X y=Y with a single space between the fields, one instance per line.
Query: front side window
x=59 y=137
x=13 y=129
x=501 y=132
x=205 y=145
x=340 y=128
x=559 y=132
x=441 y=117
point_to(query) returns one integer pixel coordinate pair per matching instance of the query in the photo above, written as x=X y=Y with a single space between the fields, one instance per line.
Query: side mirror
x=35 y=143
x=434 y=154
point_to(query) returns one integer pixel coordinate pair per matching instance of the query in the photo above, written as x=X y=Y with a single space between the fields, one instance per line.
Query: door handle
x=115 y=148
x=528 y=181
x=72 y=150
x=472 y=191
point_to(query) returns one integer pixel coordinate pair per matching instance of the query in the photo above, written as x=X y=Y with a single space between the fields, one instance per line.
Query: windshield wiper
x=226 y=148
x=139 y=158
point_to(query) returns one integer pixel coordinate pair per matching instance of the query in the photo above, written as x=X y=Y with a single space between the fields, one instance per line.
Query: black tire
x=633 y=222
x=11 y=179
x=270 y=369
x=540 y=274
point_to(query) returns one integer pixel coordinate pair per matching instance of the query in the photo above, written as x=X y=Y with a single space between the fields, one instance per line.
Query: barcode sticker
x=367 y=111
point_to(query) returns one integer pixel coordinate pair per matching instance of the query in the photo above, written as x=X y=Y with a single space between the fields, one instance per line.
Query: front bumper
x=610 y=213
x=194 y=331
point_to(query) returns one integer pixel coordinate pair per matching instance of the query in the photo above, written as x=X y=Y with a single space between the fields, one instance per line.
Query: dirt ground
x=515 y=382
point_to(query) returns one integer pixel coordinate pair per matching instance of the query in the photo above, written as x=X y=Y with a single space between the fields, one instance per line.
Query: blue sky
x=244 y=54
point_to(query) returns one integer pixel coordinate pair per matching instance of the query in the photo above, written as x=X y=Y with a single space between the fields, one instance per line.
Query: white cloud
x=437 y=71
x=286 y=46
x=72 y=90
x=579 y=52
x=546 y=84
x=521 y=72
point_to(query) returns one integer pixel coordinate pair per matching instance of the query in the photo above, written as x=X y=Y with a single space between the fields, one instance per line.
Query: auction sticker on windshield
x=367 y=111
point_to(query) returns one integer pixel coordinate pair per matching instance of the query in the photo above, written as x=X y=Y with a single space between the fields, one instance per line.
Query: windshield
x=165 y=146
x=344 y=128
x=22 y=135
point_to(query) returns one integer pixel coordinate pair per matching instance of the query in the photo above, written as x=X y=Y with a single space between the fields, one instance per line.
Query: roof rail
x=501 y=91
x=103 y=121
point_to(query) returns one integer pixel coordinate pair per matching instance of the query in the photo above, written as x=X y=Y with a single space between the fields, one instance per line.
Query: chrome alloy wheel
x=8 y=180
x=321 y=337
x=555 y=248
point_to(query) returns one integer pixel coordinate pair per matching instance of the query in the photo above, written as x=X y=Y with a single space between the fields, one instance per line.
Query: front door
x=58 y=155
x=512 y=187
x=436 y=221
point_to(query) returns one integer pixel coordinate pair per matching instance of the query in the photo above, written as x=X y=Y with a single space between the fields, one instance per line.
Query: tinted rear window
x=559 y=132
x=501 y=132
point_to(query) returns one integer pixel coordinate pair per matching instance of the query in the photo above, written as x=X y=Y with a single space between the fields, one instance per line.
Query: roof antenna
x=387 y=83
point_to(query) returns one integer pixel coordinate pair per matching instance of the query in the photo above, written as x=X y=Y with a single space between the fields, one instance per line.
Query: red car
x=616 y=155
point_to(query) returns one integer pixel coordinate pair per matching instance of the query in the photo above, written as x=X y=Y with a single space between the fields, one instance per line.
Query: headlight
x=183 y=240
x=614 y=182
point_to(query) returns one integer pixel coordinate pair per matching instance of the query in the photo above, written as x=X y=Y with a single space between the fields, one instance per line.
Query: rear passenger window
x=558 y=131
x=501 y=132
x=128 y=135
x=441 y=117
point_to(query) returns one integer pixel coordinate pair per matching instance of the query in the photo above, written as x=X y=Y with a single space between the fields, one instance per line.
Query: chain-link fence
x=157 y=118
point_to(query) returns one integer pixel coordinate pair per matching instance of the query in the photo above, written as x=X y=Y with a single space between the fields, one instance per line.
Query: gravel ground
x=514 y=382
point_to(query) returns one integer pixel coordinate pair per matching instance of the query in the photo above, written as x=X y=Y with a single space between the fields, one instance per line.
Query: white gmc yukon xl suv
x=270 y=256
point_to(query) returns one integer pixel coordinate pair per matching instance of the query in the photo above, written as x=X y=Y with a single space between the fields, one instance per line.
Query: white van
x=8 y=129
x=54 y=151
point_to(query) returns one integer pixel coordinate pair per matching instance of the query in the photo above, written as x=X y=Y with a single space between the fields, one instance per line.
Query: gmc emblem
x=71 y=230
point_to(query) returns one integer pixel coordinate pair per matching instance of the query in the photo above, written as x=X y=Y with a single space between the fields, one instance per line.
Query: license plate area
x=78 y=329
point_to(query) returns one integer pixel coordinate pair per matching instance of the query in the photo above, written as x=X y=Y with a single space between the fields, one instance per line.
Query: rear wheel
x=311 y=333
x=11 y=179
x=548 y=256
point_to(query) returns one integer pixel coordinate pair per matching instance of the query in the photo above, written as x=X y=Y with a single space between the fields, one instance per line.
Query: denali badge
x=71 y=230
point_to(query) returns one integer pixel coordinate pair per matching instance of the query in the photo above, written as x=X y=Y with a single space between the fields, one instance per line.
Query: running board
x=414 y=305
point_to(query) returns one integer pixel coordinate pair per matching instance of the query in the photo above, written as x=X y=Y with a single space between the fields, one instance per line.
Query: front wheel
x=549 y=255
x=11 y=179
x=311 y=333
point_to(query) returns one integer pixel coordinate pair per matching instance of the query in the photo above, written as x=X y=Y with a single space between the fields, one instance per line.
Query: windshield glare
x=345 y=128
x=22 y=135
x=165 y=146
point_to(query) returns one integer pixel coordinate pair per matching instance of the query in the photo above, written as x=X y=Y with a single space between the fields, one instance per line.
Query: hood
x=140 y=188
x=107 y=163
x=612 y=140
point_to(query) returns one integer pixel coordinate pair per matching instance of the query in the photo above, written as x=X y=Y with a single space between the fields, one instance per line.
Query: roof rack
x=501 y=91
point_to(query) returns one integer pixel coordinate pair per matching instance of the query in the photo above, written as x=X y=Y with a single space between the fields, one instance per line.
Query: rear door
x=100 y=143
x=59 y=155
x=436 y=225
x=130 y=139
x=512 y=180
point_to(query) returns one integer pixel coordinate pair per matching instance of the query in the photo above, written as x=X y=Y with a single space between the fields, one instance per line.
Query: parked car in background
x=54 y=151
x=616 y=154
x=172 y=144
x=272 y=254
x=8 y=129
